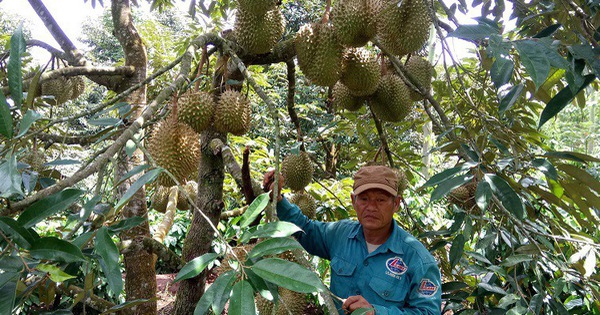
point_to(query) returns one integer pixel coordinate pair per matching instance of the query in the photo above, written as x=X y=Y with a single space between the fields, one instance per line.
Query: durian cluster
x=333 y=54
x=160 y=198
x=230 y=113
x=258 y=25
x=63 y=89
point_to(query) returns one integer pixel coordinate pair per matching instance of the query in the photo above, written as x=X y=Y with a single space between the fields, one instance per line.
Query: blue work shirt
x=399 y=277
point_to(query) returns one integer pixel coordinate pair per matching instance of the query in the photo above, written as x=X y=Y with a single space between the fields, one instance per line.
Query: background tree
x=509 y=207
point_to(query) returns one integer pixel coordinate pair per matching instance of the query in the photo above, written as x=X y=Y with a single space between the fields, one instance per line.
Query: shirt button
x=357 y=292
x=386 y=293
x=341 y=270
x=366 y=263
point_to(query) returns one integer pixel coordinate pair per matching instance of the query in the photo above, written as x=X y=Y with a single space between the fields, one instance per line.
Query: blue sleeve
x=315 y=236
x=425 y=297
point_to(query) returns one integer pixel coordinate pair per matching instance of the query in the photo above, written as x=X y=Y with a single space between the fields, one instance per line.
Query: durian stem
x=383 y=140
x=271 y=212
x=291 y=77
x=169 y=217
x=200 y=66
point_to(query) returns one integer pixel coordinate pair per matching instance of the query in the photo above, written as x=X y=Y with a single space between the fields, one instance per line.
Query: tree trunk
x=140 y=279
x=200 y=236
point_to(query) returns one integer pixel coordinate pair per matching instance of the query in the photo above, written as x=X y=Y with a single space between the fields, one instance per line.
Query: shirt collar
x=393 y=243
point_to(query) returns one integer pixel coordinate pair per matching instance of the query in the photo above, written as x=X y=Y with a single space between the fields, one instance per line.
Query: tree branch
x=383 y=140
x=91 y=299
x=218 y=147
x=291 y=92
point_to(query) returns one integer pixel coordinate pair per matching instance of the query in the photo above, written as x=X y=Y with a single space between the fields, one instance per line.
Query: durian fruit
x=360 y=72
x=343 y=99
x=36 y=160
x=391 y=102
x=175 y=146
x=306 y=203
x=464 y=196
x=297 y=170
x=78 y=86
x=422 y=72
x=232 y=113
x=60 y=88
x=196 y=108
x=354 y=21
x=403 y=29
x=257 y=34
x=319 y=54
x=240 y=251
x=191 y=188
x=402 y=181
x=256 y=7
x=160 y=198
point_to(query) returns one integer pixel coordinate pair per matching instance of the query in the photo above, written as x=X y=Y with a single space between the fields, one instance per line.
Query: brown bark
x=198 y=241
x=140 y=279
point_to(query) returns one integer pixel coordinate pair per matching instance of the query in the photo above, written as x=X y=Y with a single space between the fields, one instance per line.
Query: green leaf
x=49 y=206
x=88 y=207
x=104 y=122
x=216 y=295
x=106 y=248
x=195 y=266
x=581 y=176
x=125 y=225
x=507 y=300
x=29 y=118
x=288 y=275
x=273 y=246
x=272 y=229
x=587 y=53
x=15 y=77
x=573 y=156
x=473 y=32
x=10 y=178
x=254 y=209
x=445 y=187
x=143 y=180
x=508 y=100
x=127 y=305
x=55 y=273
x=548 y=31
x=6 y=120
x=447 y=174
x=8 y=293
x=135 y=170
x=483 y=194
x=20 y=235
x=491 y=288
x=60 y=162
x=453 y=286
x=507 y=196
x=546 y=167
x=457 y=249
x=501 y=71
x=533 y=57
x=242 y=299
x=562 y=99
x=55 y=249
x=515 y=259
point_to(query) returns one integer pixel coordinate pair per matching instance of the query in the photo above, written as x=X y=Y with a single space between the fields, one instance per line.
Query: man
x=375 y=264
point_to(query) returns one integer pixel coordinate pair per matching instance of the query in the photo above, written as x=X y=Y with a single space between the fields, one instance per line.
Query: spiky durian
x=160 y=198
x=36 y=160
x=289 y=302
x=360 y=72
x=232 y=113
x=60 y=88
x=306 y=203
x=391 y=101
x=257 y=34
x=403 y=29
x=343 y=99
x=354 y=21
x=175 y=146
x=196 y=108
x=464 y=196
x=77 y=86
x=319 y=54
x=297 y=170
x=422 y=71
x=190 y=188
x=256 y=7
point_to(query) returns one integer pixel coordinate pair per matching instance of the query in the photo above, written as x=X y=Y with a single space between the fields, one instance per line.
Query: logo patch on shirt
x=427 y=288
x=395 y=266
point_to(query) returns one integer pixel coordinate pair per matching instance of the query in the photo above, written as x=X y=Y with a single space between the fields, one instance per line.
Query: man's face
x=375 y=209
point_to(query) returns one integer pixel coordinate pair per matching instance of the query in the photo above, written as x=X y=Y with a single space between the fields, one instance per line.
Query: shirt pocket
x=342 y=267
x=394 y=291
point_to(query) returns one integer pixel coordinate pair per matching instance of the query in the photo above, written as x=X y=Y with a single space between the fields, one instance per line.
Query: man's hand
x=354 y=302
x=269 y=184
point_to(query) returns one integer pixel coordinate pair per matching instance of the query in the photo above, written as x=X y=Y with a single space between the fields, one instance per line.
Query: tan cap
x=376 y=176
